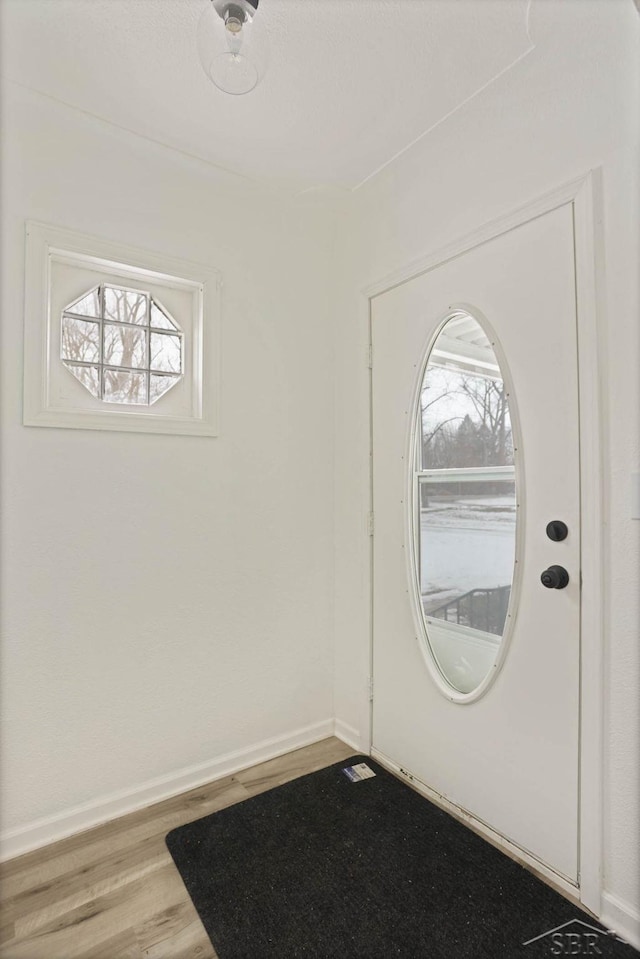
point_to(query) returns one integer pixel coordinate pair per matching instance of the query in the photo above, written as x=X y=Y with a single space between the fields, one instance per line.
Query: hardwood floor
x=113 y=892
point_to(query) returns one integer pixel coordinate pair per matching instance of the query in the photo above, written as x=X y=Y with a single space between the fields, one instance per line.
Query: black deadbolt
x=556 y=577
x=557 y=530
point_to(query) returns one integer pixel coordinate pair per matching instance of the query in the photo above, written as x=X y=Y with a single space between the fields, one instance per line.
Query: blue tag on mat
x=358 y=772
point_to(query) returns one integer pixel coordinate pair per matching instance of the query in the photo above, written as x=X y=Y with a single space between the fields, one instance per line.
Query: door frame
x=583 y=195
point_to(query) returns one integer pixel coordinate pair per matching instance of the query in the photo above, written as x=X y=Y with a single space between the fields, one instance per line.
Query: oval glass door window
x=465 y=504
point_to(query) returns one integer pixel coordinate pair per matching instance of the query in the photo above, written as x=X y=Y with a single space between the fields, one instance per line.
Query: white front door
x=492 y=725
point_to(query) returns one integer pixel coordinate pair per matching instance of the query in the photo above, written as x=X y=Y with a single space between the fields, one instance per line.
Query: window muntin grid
x=122 y=345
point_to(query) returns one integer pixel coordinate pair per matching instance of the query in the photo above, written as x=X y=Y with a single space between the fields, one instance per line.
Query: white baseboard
x=50 y=829
x=349 y=735
x=622 y=917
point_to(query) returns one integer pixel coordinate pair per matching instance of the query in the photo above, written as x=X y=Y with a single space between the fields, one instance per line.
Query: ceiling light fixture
x=233 y=50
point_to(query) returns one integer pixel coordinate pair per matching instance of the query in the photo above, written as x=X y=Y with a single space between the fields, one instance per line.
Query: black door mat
x=326 y=867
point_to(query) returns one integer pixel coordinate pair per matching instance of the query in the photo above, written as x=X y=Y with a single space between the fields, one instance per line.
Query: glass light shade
x=233 y=59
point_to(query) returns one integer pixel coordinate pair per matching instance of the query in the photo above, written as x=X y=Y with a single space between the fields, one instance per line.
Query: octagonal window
x=122 y=345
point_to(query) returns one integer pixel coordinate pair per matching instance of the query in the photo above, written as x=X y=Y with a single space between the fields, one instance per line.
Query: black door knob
x=556 y=577
x=557 y=530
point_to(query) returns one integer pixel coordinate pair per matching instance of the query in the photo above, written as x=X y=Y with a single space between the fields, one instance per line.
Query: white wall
x=167 y=600
x=569 y=106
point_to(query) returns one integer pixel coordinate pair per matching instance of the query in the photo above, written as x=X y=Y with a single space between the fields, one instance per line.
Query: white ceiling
x=351 y=83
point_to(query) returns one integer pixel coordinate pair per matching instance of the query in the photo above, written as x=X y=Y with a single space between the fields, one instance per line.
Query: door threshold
x=570 y=890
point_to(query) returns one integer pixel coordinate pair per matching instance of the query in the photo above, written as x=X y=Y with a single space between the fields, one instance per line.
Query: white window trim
x=468 y=474
x=46 y=244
